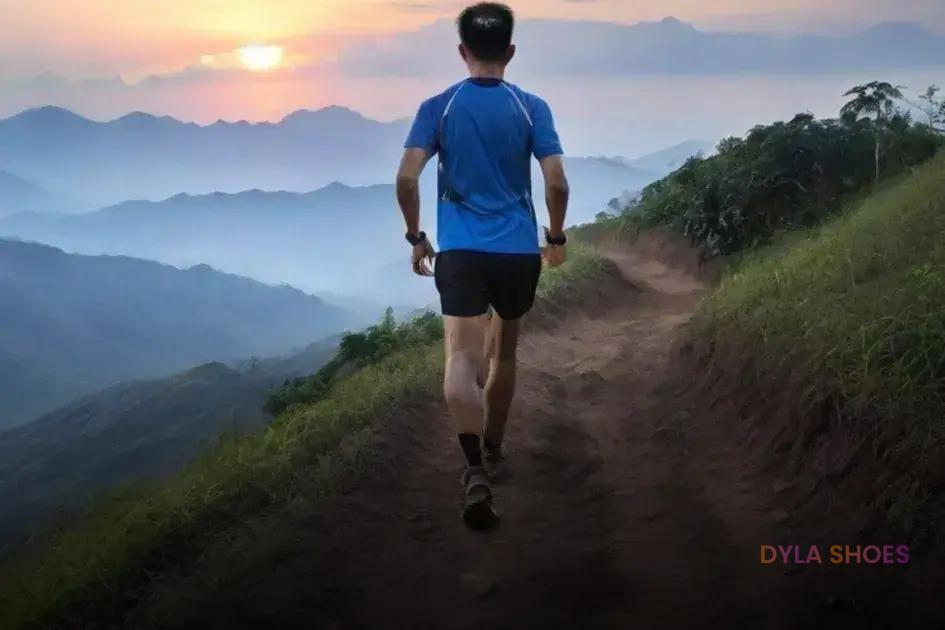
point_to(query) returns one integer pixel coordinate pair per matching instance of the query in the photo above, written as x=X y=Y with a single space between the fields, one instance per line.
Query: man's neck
x=486 y=71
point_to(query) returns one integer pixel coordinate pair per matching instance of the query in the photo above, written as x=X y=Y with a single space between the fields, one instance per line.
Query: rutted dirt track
x=617 y=514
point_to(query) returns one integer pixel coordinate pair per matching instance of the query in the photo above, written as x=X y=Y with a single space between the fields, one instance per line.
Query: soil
x=624 y=509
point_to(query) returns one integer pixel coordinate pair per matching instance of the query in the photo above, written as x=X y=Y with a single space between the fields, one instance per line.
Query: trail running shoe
x=494 y=462
x=478 y=512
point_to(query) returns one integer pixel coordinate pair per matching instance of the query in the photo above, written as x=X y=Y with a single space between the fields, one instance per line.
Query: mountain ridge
x=144 y=156
x=72 y=324
x=54 y=113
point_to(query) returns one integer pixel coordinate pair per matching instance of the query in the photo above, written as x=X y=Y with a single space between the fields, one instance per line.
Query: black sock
x=489 y=445
x=470 y=444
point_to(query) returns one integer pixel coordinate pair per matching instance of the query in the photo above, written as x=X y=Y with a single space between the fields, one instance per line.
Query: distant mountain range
x=71 y=325
x=594 y=181
x=140 y=156
x=666 y=47
x=133 y=431
x=667 y=160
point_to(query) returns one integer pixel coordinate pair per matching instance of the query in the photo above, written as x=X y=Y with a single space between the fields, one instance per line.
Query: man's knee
x=462 y=371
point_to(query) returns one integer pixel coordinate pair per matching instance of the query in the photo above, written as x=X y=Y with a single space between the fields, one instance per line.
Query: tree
x=933 y=107
x=875 y=100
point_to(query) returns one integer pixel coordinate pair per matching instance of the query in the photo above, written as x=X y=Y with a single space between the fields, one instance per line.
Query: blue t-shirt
x=485 y=132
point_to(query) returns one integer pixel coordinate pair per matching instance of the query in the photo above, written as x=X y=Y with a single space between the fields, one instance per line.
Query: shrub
x=357 y=349
x=784 y=175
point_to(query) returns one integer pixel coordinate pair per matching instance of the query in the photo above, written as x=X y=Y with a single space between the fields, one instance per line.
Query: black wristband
x=561 y=240
x=416 y=240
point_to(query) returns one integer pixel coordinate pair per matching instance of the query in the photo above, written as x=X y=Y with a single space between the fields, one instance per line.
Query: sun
x=259 y=58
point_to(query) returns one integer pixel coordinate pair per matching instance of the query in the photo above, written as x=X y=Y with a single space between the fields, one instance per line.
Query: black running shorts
x=470 y=281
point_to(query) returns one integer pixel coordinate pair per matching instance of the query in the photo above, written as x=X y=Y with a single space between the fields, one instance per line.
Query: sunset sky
x=203 y=60
x=135 y=38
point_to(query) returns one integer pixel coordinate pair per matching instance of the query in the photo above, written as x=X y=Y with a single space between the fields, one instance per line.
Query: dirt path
x=614 y=516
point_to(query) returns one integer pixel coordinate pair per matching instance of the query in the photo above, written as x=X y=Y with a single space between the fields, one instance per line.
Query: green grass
x=133 y=533
x=857 y=304
x=582 y=265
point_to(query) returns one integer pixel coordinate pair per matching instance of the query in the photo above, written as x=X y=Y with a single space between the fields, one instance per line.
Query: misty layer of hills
x=70 y=325
x=20 y=195
x=669 y=159
x=134 y=431
x=340 y=239
x=140 y=156
x=334 y=239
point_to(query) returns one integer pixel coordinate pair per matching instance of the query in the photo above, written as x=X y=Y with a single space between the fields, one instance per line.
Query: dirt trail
x=616 y=514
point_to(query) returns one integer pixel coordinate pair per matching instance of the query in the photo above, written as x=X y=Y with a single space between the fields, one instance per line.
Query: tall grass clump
x=87 y=570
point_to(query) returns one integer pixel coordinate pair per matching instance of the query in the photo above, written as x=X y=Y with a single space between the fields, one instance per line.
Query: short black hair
x=486 y=30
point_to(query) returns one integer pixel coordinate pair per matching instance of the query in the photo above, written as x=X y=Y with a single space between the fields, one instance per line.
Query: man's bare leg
x=464 y=339
x=500 y=386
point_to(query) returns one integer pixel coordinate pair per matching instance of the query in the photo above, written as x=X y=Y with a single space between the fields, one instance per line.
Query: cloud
x=665 y=47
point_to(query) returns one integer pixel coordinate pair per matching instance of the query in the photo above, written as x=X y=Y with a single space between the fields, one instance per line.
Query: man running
x=485 y=131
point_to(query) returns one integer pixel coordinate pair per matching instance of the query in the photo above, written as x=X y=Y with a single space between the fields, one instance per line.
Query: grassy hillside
x=855 y=310
x=860 y=298
x=132 y=431
x=126 y=538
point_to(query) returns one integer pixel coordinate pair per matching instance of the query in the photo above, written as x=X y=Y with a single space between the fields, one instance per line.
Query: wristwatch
x=416 y=240
x=561 y=240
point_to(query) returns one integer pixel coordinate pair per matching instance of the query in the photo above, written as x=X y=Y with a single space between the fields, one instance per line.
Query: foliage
x=876 y=99
x=933 y=108
x=783 y=175
x=357 y=349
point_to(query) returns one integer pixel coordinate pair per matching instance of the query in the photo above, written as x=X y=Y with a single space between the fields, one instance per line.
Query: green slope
x=133 y=431
x=860 y=301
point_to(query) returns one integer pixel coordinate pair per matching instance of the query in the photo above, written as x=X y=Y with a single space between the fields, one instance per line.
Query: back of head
x=486 y=31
